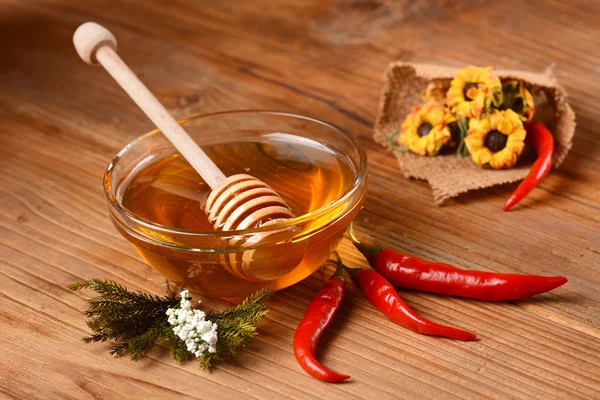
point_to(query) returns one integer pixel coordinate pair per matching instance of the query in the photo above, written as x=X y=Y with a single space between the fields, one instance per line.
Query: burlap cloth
x=449 y=175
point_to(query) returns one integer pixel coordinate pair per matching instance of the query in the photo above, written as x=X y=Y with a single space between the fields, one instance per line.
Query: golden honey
x=307 y=174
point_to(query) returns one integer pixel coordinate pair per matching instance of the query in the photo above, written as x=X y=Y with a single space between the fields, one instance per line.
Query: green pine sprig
x=132 y=320
x=135 y=321
x=236 y=327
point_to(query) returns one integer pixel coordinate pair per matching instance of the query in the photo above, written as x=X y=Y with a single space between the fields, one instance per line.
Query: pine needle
x=236 y=327
x=134 y=321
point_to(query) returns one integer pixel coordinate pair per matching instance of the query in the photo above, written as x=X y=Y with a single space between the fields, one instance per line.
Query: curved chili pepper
x=543 y=144
x=412 y=272
x=319 y=314
x=383 y=296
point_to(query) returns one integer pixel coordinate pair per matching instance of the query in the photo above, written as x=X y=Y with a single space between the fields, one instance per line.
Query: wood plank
x=64 y=121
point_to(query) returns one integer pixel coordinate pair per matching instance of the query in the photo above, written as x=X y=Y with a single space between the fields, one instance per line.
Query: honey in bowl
x=306 y=175
x=160 y=201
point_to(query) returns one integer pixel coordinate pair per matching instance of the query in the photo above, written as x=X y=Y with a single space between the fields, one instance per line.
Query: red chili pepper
x=543 y=143
x=383 y=296
x=412 y=272
x=319 y=314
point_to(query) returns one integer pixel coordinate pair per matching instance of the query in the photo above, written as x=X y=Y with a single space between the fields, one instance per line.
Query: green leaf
x=463 y=126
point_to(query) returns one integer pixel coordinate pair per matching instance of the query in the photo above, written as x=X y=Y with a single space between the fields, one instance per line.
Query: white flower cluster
x=199 y=334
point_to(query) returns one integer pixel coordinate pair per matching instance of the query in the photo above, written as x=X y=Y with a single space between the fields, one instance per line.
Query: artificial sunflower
x=497 y=139
x=473 y=91
x=425 y=130
x=517 y=98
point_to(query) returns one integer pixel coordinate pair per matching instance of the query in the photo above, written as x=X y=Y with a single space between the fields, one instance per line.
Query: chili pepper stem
x=369 y=251
x=352 y=272
x=339 y=272
x=339 y=267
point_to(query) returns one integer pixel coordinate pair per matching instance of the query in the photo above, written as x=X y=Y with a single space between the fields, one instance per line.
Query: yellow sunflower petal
x=477 y=97
x=482 y=156
x=507 y=123
x=449 y=118
x=479 y=125
x=464 y=109
x=505 y=158
x=517 y=136
x=433 y=113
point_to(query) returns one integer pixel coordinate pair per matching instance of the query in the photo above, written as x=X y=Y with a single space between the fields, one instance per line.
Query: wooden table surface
x=62 y=121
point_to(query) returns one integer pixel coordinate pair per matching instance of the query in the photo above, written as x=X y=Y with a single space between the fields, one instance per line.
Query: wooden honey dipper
x=237 y=202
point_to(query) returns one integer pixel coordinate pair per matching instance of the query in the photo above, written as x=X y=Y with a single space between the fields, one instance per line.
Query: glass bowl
x=236 y=264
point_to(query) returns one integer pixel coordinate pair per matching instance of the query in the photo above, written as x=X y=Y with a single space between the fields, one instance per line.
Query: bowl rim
x=349 y=192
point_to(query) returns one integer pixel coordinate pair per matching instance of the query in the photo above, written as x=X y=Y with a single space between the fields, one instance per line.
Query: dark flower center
x=495 y=140
x=424 y=129
x=469 y=86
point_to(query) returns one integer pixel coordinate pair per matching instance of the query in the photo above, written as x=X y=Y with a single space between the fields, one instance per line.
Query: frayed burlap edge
x=449 y=175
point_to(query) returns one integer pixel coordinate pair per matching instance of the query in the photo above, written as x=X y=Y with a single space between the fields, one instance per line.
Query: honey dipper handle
x=95 y=44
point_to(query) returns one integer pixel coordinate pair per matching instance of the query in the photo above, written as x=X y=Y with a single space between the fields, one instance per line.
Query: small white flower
x=198 y=333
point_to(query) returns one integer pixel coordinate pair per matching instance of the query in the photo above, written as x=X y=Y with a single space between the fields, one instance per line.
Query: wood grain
x=63 y=121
